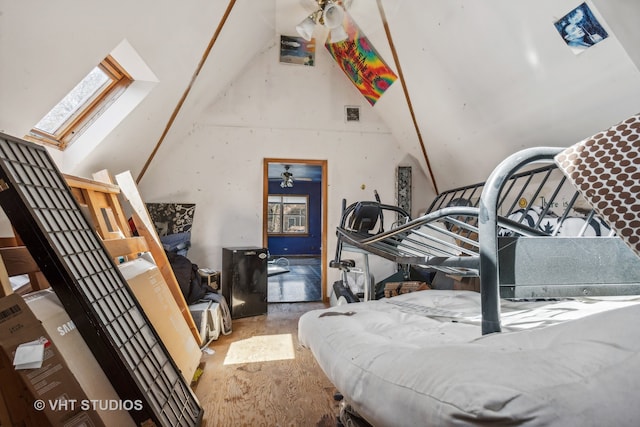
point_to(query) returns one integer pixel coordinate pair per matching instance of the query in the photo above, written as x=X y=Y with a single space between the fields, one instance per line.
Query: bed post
x=488 y=231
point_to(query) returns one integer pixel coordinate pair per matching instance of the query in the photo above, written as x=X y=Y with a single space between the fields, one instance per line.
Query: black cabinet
x=244 y=280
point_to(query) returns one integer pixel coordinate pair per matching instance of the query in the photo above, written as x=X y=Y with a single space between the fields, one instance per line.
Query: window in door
x=288 y=215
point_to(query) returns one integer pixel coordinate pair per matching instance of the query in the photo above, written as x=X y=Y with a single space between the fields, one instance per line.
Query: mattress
x=420 y=359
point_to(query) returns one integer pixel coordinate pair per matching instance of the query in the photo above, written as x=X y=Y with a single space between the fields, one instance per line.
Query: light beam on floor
x=262 y=348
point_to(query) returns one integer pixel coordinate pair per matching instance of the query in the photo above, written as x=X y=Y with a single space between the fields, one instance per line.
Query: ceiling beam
x=383 y=16
x=176 y=110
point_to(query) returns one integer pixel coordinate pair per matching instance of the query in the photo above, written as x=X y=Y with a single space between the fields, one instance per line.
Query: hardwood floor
x=302 y=282
x=260 y=375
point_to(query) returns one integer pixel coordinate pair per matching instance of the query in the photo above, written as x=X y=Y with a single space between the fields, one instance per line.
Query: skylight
x=82 y=105
x=80 y=95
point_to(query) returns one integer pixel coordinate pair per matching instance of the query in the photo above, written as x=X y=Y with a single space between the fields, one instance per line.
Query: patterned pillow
x=606 y=170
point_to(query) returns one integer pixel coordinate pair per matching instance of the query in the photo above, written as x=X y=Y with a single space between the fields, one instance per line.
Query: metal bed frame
x=490 y=230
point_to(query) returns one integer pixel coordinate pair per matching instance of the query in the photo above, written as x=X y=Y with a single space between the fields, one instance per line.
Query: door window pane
x=287 y=214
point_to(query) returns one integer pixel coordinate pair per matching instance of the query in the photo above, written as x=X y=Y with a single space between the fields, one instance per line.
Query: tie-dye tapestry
x=361 y=63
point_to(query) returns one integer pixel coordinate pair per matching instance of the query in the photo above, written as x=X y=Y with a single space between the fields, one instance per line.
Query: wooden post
x=6 y=288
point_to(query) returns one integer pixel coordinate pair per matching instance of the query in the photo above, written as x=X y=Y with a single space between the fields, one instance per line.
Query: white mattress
x=420 y=359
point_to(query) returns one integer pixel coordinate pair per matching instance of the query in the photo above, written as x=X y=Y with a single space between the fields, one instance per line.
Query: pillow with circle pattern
x=606 y=170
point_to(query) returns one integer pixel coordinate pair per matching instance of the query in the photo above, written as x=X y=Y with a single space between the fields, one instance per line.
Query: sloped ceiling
x=489 y=78
x=484 y=78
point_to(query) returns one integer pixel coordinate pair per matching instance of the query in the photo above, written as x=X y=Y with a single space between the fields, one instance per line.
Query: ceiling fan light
x=333 y=15
x=306 y=27
x=287 y=178
x=338 y=34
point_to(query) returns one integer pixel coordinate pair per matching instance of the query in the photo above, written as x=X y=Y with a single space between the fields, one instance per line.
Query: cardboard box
x=47 y=308
x=392 y=289
x=466 y=283
x=151 y=290
x=46 y=396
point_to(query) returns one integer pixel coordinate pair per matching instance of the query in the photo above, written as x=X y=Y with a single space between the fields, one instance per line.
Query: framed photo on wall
x=351 y=113
x=580 y=29
x=296 y=50
x=403 y=188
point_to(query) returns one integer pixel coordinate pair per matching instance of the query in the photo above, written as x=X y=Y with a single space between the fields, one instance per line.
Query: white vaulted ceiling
x=482 y=79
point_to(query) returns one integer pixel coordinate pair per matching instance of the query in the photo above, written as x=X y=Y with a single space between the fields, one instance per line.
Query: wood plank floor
x=260 y=375
x=301 y=283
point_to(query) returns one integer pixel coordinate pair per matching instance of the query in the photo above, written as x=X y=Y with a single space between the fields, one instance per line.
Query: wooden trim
x=5 y=284
x=87 y=184
x=38 y=281
x=406 y=94
x=103 y=205
x=86 y=113
x=15 y=261
x=125 y=247
x=178 y=107
x=18 y=260
x=8 y=242
x=324 y=208
x=265 y=201
x=325 y=223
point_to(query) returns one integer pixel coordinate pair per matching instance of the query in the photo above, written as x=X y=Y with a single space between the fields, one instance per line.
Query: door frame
x=323 y=211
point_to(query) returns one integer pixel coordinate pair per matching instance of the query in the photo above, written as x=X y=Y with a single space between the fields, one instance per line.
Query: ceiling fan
x=329 y=13
x=287 y=177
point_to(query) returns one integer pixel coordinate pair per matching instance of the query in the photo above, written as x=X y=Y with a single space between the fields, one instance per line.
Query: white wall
x=489 y=78
x=484 y=83
x=485 y=78
x=279 y=111
x=47 y=47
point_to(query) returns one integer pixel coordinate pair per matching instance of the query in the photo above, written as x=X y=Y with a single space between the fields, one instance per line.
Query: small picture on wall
x=352 y=113
x=296 y=50
x=580 y=29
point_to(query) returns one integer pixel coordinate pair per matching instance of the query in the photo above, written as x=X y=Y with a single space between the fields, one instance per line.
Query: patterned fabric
x=171 y=218
x=606 y=170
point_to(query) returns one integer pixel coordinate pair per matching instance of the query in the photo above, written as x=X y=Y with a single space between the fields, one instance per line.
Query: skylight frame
x=87 y=112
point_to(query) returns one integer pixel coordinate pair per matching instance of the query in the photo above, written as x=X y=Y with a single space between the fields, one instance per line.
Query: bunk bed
x=556 y=251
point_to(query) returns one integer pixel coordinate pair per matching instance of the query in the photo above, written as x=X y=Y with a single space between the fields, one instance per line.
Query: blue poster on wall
x=580 y=29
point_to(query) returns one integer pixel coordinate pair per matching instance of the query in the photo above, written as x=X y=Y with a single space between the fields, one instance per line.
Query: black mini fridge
x=243 y=280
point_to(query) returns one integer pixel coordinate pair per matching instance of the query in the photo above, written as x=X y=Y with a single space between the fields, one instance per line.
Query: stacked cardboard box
x=466 y=283
x=46 y=396
x=47 y=308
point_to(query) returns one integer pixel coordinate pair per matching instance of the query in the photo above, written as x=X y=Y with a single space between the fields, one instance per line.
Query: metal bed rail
x=441 y=240
x=446 y=236
x=490 y=202
x=461 y=231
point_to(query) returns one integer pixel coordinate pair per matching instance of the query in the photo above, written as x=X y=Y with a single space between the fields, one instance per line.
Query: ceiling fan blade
x=295 y=178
